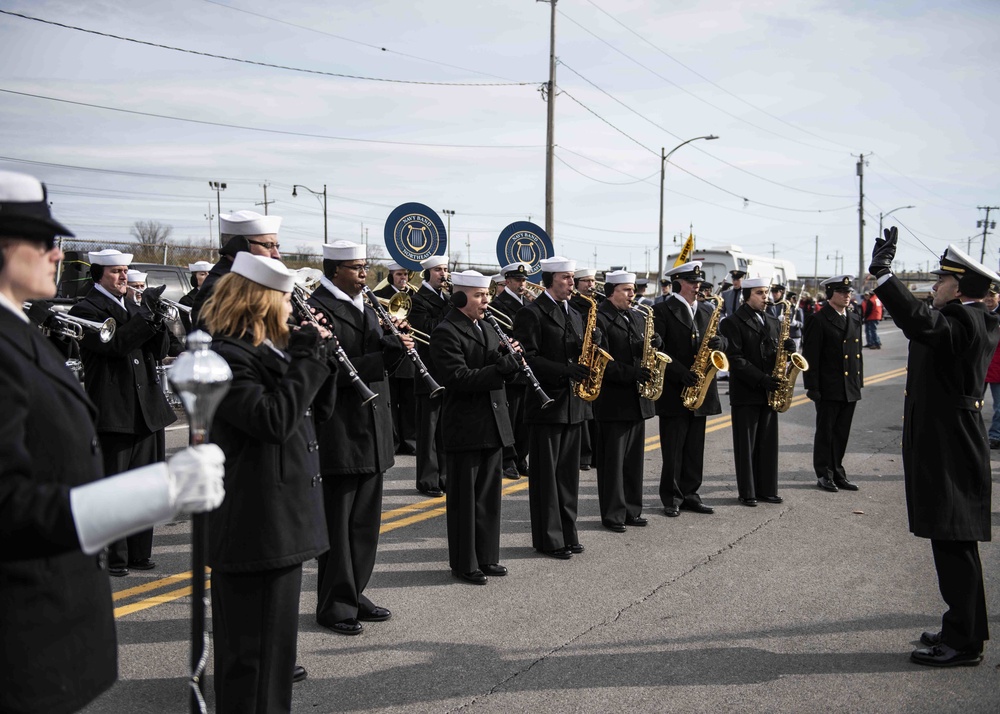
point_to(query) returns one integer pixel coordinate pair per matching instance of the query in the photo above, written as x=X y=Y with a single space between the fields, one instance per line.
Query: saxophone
x=656 y=362
x=707 y=362
x=592 y=356
x=786 y=374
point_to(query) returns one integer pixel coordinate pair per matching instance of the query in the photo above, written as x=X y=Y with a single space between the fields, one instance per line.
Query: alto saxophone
x=592 y=356
x=652 y=360
x=707 y=362
x=786 y=366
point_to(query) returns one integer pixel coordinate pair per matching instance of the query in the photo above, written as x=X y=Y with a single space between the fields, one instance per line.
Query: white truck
x=717 y=261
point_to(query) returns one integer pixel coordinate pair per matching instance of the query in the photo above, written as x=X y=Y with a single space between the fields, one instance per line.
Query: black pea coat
x=474 y=413
x=427 y=311
x=358 y=439
x=218 y=271
x=681 y=340
x=272 y=516
x=583 y=307
x=509 y=306
x=188 y=300
x=405 y=370
x=751 y=349
x=619 y=399
x=946 y=452
x=120 y=375
x=551 y=340
x=836 y=367
x=57 y=630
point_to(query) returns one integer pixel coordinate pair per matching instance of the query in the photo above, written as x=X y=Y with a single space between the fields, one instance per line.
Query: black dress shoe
x=511 y=473
x=638 y=522
x=575 y=548
x=144 y=564
x=616 y=527
x=432 y=492
x=944 y=656
x=827 y=484
x=671 y=511
x=493 y=570
x=930 y=639
x=377 y=614
x=118 y=572
x=298 y=673
x=772 y=499
x=697 y=507
x=844 y=484
x=476 y=577
x=585 y=467
x=558 y=553
x=752 y=502
x=347 y=627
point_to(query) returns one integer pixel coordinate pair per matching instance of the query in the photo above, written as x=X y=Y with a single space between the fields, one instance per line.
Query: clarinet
x=302 y=307
x=544 y=398
x=432 y=386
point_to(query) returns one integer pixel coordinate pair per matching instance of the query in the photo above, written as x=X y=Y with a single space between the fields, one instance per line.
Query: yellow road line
x=157 y=600
x=152 y=585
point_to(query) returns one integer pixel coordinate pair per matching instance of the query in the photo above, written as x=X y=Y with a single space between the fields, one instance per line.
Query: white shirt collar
x=118 y=299
x=16 y=309
x=358 y=300
x=690 y=306
x=513 y=295
x=562 y=303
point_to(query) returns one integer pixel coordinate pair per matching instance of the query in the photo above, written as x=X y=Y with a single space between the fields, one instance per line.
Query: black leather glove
x=597 y=335
x=508 y=365
x=577 y=372
x=883 y=253
x=789 y=345
x=151 y=301
x=305 y=342
x=717 y=343
x=813 y=394
x=689 y=379
x=657 y=342
x=642 y=374
x=769 y=383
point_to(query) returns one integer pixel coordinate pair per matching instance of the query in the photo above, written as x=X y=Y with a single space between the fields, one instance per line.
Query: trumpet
x=532 y=290
x=422 y=372
x=166 y=308
x=399 y=306
x=67 y=325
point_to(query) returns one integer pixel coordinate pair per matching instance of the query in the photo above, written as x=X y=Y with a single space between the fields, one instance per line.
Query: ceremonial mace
x=201 y=378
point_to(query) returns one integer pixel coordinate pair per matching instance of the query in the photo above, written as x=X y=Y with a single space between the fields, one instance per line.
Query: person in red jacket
x=993 y=374
x=871 y=311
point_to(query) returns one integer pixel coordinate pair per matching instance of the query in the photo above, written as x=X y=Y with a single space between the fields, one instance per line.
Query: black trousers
x=960 y=577
x=404 y=414
x=516 y=455
x=473 y=508
x=431 y=469
x=682 y=443
x=755 y=447
x=353 y=505
x=619 y=470
x=122 y=452
x=255 y=623
x=589 y=443
x=833 y=429
x=554 y=484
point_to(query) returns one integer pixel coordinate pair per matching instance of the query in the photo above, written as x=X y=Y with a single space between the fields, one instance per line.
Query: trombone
x=398 y=307
x=67 y=325
x=501 y=317
x=166 y=308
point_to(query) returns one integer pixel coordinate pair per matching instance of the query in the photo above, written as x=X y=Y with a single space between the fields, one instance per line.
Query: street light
x=218 y=187
x=886 y=215
x=315 y=193
x=663 y=171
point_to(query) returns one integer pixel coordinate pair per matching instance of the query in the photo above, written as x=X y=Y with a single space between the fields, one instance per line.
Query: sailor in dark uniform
x=585 y=283
x=946 y=452
x=199 y=271
x=732 y=297
x=832 y=347
x=401 y=396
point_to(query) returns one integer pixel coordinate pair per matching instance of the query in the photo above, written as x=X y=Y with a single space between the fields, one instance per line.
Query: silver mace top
x=201 y=378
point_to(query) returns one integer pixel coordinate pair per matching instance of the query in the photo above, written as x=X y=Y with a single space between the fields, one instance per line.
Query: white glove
x=194 y=477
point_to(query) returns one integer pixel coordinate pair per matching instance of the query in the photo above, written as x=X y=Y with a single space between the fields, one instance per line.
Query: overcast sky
x=795 y=89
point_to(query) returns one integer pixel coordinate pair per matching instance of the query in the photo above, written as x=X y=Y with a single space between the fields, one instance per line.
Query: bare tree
x=151 y=232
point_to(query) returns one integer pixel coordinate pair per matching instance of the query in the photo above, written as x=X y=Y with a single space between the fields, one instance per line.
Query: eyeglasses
x=363 y=268
x=265 y=246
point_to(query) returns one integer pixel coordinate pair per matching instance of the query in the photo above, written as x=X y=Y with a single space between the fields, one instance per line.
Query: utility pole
x=774 y=253
x=266 y=202
x=985 y=224
x=861 y=216
x=209 y=216
x=218 y=187
x=549 y=94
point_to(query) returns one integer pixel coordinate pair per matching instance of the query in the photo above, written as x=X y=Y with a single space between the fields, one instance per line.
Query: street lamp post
x=663 y=172
x=315 y=193
x=448 y=213
x=886 y=215
x=218 y=187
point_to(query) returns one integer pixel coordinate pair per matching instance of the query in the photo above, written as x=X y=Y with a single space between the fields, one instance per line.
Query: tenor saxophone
x=592 y=356
x=707 y=362
x=786 y=366
x=652 y=360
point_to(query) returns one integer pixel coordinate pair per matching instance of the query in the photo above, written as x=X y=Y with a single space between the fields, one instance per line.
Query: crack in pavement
x=614 y=618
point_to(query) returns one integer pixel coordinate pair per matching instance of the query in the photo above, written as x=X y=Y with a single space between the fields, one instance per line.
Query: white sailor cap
x=135 y=276
x=585 y=273
x=470 y=279
x=268 y=272
x=249 y=223
x=24 y=209
x=838 y=282
x=497 y=278
x=200 y=266
x=394 y=266
x=688 y=271
x=514 y=270
x=557 y=264
x=341 y=250
x=757 y=282
x=109 y=256
x=955 y=262
x=434 y=261
x=619 y=277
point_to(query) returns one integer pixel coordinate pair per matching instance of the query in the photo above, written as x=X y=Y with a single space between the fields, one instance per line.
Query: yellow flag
x=686 y=250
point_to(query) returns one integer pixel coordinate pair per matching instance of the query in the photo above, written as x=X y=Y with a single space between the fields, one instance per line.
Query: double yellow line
x=402 y=517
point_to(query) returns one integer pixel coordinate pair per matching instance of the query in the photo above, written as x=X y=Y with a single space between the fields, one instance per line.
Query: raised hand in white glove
x=194 y=479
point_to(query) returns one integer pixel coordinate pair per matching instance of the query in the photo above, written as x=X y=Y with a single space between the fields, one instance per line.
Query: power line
x=118 y=172
x=608 y=183
x=264 y=64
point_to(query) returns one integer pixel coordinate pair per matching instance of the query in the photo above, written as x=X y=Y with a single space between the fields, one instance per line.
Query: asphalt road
x=810 y=605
